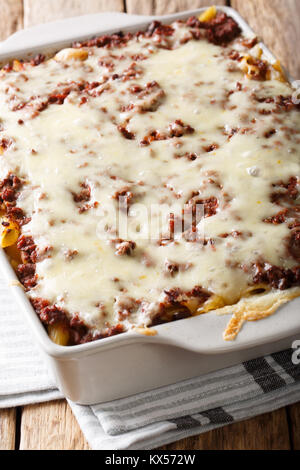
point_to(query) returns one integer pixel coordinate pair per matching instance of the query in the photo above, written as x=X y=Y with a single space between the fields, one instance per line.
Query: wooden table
x=52 y=425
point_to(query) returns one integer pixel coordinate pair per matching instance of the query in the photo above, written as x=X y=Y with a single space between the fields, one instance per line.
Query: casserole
x=170 y=330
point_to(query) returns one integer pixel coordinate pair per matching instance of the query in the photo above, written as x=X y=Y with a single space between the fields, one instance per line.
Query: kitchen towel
x=149 y=419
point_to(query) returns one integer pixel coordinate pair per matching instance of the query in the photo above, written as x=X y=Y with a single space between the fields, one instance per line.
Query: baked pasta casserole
x=185 y=129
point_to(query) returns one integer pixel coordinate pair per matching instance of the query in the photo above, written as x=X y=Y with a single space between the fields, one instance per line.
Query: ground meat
x=235 y=234
x=178 y=129
x=171 y=268
x=112 y=331
x=285 y=192
x=10 y=182
x=124 y=306
x=258 y=69
x=156 y=27
x=222 y=29
x=15 y=213
x=38 y=59
x=126 y=133
x=130 y=73
x=60 y=93
x=294 y=244
x=193 y=22
x=211 y=148
x=177 y=295
x=107 y=63
x=28 y=249
x=269 y=133
x=5 y=143
x=175 y=129
x=82 y=198
x=279 y=218
x=39 y=304
x=152 y=137
x=186 y=224
x=58 y=98
x=286 y=103
x=54 y=315
x=9 y=187
x=235 y=55
x=124 y=198
x=172 y=222
x=174 y=295
x=175 y=305
x=249 y=43
x=210 y=204
x=278 y=278
x=174 y=313
x=107 y=41
x=70 y=254
x=51 y=315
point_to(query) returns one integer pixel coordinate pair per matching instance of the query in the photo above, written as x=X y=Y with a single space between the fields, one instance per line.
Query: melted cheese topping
x=95 y=139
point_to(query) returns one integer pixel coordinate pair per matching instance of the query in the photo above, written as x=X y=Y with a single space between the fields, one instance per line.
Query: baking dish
x=131 y=363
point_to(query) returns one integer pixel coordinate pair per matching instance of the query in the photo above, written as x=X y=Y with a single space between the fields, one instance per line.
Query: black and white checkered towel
x=149 y=419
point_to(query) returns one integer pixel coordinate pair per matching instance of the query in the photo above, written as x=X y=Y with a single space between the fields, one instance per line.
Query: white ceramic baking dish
x=130 y=363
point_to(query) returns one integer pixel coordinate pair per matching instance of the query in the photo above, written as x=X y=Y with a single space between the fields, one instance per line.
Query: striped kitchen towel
x=149 y=419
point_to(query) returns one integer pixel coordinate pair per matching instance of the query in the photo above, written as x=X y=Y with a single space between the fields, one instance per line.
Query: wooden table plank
x=277 y=23
x=11 y=17
x=161 y=7
x=294 y=421
x=51 y=426
x=267 y=432
x=41 y=11
x=7 y=429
